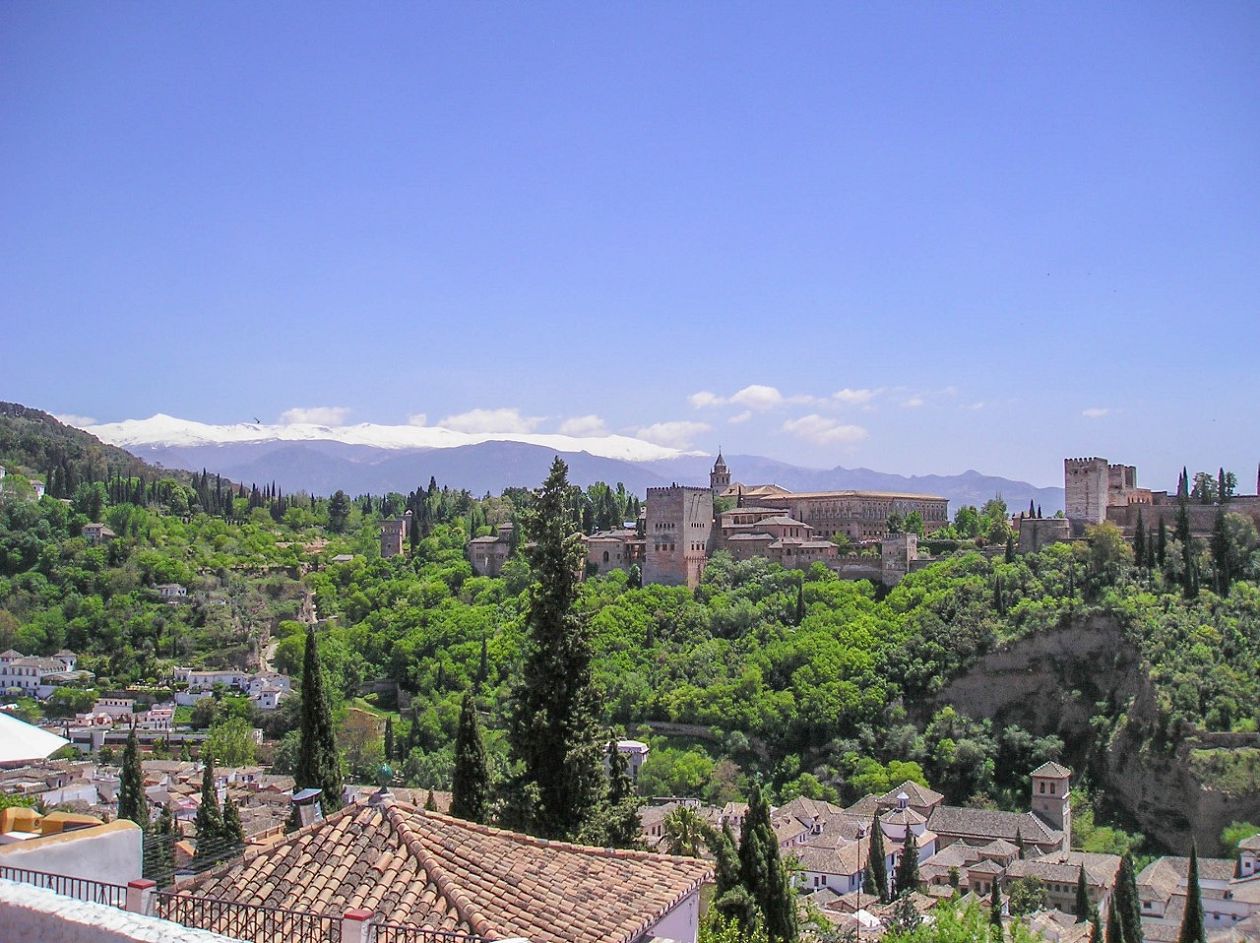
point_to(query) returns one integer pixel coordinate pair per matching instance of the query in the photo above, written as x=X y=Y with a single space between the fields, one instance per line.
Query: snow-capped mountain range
x=372 y=458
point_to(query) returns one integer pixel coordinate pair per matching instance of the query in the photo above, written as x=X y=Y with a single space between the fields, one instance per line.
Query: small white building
x=172 y=592
x=38 y=488
x=635 y=752
x=97 y=533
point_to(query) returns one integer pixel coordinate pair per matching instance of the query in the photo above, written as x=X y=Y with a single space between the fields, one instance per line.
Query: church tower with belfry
x=720 y=477
x=1051 y=800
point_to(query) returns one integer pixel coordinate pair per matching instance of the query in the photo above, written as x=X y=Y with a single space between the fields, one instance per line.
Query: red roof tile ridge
x=435 y=871
x=522 y=838
x=252 y=852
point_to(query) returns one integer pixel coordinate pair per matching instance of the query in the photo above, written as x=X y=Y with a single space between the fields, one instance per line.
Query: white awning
x=21 y=743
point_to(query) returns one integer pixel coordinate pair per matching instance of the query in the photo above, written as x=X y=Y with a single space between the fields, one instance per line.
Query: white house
x=635 y=752
x=172 y=592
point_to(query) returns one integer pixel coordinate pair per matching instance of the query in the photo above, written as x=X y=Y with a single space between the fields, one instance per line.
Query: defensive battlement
x=1092 y=460
x=674 y=489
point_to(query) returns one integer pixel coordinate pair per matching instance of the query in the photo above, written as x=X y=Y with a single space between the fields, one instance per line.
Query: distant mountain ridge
x=322 y=467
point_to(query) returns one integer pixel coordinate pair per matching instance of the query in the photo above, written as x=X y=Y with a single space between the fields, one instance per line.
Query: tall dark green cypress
x=620 y=819
x=554 y=733
x=1220 y=554
x=995 y=907
x=1082 y=897
x=470 y=784
x=1161 y=544
x=1115 y=934
x=730 y=898
x=132 y=803
x=1125 y=897
x=159 y=849
x=319 y=766
x=233 y=832
x=209 y=822
x=762 y=873
x=1192 y=917
x=908 y=866
x=1139 y=542
x=390 y=746
x=876 y=860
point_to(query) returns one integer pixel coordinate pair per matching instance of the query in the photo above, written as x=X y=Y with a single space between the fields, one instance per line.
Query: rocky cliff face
x=1054 y=682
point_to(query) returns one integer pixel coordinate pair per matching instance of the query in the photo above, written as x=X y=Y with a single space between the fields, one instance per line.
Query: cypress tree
x=554 y=732
x=868 y=880
x=1019 y=843
x=159 y=855
x=761 y=870
x=1161 y=544
x=621 y=823
x=389 y=738
x=1095 y=928
x=1139 y=542
x=319 y=766
x=1192 y=917
x=1128 y=907
x=1009 y=557
x=470 y=786
x=908 y=866
x=233 y=832
x=995 y=907
x=132 y=803
x=1220 y=554
x=1082 y=897
x=1114 y=932
x=730 y=898
x=1221 y=495
x=209 y=822
x=876 y=860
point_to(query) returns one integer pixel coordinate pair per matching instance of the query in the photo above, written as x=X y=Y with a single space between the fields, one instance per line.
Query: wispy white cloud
x=914 y=402
x=74 y=419
x=740 y=417
x=418 y=419
x=825 y=430
x=584 y=426
x=319 y=415
x=756 y=396
x=677 y=434
x=482 y=421
x=1095 y=412
x=977 y=405
x=852 y=397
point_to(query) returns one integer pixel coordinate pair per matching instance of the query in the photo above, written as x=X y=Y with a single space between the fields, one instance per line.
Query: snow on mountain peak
x=163 y=430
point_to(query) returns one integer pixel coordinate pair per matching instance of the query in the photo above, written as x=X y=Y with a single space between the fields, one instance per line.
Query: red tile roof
x=431 y=870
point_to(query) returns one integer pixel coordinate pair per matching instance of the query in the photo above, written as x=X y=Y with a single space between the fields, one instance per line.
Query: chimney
x=308 y=806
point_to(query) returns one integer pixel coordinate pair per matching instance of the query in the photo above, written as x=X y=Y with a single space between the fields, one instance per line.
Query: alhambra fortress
x=681 y=526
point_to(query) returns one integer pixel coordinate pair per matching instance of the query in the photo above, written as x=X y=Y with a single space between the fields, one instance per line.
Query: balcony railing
x=253 y=922
x=96 y=892
x=408 y=933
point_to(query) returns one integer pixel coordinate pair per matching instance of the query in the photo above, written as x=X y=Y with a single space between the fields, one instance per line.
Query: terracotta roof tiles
x=426 y=869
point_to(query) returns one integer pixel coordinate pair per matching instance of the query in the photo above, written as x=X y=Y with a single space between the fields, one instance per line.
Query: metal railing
x=96 y=892
x=254 y=922
x=409 y=933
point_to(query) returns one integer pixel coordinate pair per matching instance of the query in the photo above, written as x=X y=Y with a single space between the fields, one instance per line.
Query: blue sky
x=1004 y=233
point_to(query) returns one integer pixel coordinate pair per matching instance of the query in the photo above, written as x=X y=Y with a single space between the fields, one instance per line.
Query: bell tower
x=1051 y=802
x=720 y=477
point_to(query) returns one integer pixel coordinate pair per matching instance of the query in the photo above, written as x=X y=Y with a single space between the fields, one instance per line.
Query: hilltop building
x=394 y=535
x=683 y=526
x=1096 y=491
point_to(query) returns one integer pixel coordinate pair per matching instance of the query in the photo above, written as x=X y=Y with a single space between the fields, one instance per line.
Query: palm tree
x=684 y=832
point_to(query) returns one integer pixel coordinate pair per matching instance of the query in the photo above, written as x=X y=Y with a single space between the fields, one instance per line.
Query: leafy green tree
x=1191 y=930
x=470 y=784
x=319 y=766
x=554 y=733
x=231 y=742
x=132 y=802
x=1235 y=832
x=1026 y=896
x=338 y=512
